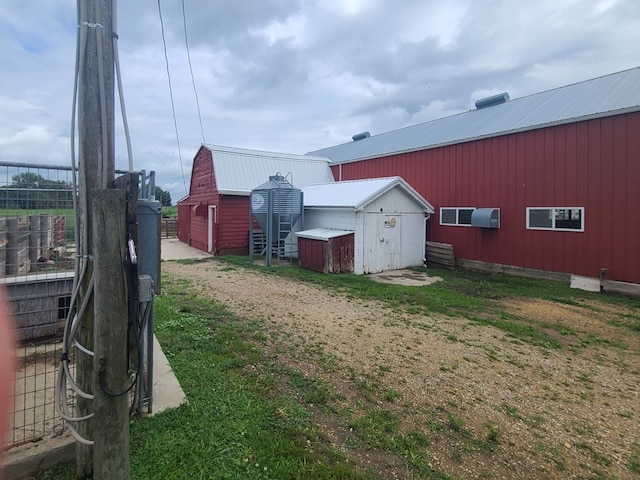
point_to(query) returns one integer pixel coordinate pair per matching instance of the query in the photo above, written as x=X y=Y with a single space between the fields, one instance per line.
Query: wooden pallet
x=440 y=255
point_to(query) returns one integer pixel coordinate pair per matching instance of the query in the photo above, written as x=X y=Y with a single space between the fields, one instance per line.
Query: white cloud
x=295 y=75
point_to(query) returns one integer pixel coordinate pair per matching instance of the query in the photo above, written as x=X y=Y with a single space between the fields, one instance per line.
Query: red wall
x=333 y=256
x=593 y=164
x=231 y=228
x=193 y=221
x=233 y=218
x=311 y=254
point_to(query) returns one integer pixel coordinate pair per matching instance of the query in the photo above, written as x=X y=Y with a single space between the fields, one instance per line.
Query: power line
x=173 y=108
x=193 y=80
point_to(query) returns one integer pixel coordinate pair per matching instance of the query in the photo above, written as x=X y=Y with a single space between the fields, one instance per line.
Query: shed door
x=382 y=240
x=391 y=233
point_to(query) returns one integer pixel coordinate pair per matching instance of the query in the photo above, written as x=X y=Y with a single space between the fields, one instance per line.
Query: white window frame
x=457 y=209
x=553 y=219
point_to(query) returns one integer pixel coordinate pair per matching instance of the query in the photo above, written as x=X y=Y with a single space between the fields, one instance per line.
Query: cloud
x=297 y=75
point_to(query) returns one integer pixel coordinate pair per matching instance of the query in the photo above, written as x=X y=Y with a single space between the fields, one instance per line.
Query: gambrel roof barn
x=214 y=216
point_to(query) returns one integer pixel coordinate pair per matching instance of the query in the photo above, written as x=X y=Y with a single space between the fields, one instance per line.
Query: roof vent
x=361 y=136
x=493 y=100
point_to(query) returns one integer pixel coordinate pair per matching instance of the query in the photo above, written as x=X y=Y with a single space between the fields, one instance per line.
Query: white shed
x=388 y=218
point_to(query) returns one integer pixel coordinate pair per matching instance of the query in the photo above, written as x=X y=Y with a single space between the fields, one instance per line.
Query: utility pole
x=101 y=325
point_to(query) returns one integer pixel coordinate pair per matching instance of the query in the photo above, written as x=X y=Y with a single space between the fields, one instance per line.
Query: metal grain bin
x=277 y=206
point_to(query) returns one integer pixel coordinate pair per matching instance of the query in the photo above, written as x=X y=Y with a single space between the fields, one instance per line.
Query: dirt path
x=491 y=405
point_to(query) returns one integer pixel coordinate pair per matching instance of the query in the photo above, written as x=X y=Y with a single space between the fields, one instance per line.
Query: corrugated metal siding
x=239 y=171
x=601 y=96
x=591 y=164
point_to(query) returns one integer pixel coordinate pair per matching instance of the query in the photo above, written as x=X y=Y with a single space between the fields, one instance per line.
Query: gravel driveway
x=571 y=412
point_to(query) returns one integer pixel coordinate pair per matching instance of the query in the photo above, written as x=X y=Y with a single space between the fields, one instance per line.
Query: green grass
x=70 y=221
x=239 y=421
x=249 y=418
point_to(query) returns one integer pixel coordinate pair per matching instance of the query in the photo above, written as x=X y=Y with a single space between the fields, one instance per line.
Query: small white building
x=388 y=218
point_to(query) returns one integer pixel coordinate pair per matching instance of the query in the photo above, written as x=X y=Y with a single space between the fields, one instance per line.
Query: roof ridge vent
x=361 y=136
x=492 y=100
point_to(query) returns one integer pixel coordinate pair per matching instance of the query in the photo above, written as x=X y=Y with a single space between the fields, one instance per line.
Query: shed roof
x=603 y=96
x=324 y=234
x=357 y=194
x=238 y=170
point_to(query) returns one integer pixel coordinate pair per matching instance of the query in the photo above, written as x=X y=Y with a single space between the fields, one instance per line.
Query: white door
x=392 y=235
x=381 y=239
x=210 y=227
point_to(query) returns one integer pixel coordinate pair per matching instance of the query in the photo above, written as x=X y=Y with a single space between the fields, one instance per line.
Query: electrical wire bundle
x=83 y=275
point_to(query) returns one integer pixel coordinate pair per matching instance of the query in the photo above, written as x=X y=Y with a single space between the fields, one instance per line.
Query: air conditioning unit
x=486 y=218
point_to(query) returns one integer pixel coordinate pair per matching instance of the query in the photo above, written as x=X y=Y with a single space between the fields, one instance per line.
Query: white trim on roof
x=245 y=152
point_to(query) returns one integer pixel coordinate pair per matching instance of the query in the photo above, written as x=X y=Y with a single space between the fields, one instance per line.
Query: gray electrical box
x=486 y=218
x=148 y=248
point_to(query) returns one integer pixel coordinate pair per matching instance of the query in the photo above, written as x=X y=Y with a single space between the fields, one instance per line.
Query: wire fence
x=37 y=257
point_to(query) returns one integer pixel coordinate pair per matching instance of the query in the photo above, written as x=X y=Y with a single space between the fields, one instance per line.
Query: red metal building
x=562 y=168
x=214 y=216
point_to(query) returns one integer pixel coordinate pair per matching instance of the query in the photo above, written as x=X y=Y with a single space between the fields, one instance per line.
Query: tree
x=32 y=191
x=163 y=197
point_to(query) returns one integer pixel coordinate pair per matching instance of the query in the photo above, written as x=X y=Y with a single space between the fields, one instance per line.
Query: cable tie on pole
x=91 y=25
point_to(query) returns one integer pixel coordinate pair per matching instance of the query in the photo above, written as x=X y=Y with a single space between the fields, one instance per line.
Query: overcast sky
x=296 y=75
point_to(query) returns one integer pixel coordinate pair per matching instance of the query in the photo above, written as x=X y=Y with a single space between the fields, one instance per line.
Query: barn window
x=569 y=219
x=456 y=215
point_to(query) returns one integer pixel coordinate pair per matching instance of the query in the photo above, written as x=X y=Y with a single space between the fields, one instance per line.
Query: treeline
x=30 y=191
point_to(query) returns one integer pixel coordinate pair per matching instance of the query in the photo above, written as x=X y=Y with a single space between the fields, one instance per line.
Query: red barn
x=559 y=171
x=214 y=216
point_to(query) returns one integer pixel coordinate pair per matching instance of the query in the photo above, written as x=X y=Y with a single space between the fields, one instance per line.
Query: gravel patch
x=547 y=413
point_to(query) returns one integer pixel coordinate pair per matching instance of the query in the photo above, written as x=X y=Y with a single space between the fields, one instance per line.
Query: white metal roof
x=238 y=171
x=323 y=234
x=357 y=194
x=604 y=96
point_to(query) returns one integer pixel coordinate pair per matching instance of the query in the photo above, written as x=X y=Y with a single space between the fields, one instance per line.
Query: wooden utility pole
x=111 y=363
x=96 y=147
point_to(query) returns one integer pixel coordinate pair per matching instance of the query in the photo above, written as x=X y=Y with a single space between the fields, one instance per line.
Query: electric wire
x=193 y=80
x=104 y=172
x=173 y=108
x=82 y=274
x=123 y=111
x=64 y=376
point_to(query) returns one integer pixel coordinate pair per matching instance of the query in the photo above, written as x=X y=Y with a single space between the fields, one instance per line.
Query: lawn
x=273 y=397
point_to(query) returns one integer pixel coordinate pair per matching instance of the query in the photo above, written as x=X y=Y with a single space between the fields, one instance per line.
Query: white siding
x=389 y=233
